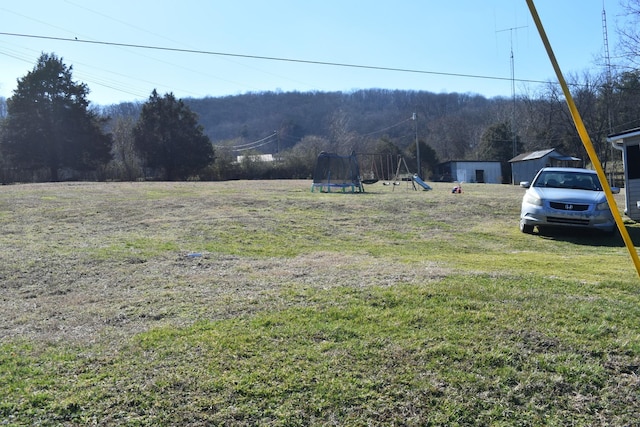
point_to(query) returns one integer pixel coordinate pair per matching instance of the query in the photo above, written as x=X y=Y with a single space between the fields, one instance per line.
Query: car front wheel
x=526 y=228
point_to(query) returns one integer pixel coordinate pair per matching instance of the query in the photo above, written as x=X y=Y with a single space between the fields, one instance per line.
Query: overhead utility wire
x=267 y=58
x=255 y=142
x=251 y=145
x=387 y=128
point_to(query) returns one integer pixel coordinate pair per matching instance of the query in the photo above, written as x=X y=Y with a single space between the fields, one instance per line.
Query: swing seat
x=369 y=181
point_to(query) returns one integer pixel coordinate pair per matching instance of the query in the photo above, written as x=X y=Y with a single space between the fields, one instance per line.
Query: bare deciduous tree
x=629 y=31
x=126 y=163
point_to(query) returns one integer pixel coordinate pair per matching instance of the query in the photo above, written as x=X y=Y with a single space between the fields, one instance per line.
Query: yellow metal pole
x=586 y=141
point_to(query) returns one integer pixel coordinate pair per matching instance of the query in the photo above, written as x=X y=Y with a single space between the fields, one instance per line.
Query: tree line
x=50 y=132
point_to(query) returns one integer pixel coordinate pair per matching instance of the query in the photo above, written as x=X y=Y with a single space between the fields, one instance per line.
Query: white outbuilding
x=470 y=171
x=525 y=166
x=629 y=143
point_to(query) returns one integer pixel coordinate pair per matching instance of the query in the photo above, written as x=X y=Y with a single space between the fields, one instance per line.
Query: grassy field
x=261 y=303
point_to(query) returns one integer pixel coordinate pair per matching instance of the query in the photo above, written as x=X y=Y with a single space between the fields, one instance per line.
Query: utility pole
x=415 y=123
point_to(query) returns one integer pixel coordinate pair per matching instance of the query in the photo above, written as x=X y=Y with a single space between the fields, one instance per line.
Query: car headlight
x=532 y=199
x=604 y=206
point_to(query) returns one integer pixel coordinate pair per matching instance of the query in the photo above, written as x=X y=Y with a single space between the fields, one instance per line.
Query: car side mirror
x=525 y=184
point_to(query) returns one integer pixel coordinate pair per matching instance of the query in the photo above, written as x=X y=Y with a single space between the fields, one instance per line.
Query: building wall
x=466 y=171
x=632 y=182
x=526 y=170
x=632 y=196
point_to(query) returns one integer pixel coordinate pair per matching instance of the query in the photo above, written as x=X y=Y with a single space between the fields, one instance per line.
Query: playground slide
x=420 y=182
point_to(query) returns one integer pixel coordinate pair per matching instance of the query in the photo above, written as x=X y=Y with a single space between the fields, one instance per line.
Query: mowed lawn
x=262 y=303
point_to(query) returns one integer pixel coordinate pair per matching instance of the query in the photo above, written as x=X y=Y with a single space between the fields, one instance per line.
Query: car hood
x=570 y=195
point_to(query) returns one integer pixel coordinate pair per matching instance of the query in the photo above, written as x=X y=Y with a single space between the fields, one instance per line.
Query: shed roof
x=535 y=155
x=468 y=161
x=618 y=138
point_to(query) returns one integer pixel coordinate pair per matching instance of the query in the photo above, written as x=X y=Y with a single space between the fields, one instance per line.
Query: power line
x=88 y=76
x=269 y=58
x=175 y=42
x=387 y=128
x=251 y=145
x=254 y=144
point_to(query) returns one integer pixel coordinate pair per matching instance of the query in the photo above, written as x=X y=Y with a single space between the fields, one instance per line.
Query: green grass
x=384 y=308
x=467 y=350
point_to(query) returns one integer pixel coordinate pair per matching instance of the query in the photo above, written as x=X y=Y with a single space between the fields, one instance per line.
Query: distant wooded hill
x=370 y=114
x=457 y=126
x=451 y=123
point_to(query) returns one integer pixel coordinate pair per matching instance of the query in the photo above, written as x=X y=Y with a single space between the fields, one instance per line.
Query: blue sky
x=453 y=46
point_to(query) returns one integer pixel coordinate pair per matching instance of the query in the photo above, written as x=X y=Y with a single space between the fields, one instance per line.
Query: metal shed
x=470 y=171
x=525 y=166
x=629 y=143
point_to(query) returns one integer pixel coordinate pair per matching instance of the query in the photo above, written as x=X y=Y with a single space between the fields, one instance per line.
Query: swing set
x=381 y=168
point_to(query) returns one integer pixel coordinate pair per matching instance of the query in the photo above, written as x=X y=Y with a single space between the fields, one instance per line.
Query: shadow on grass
x=589 y=237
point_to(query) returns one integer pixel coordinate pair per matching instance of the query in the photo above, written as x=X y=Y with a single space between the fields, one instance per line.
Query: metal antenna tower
x=608 y=88
x=513 y=88
x=607 y=58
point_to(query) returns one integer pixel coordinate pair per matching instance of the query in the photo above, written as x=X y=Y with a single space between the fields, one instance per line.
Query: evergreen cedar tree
x=497 y=143
x=49 y=124
x=169 y=138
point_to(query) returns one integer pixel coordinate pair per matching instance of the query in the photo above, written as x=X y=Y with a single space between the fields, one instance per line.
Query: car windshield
x=574 y=180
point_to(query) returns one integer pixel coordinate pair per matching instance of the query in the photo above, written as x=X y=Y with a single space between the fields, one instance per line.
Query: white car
x=565 y=197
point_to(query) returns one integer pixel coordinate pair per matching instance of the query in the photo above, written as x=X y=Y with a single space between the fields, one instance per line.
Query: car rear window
x=574 y=180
